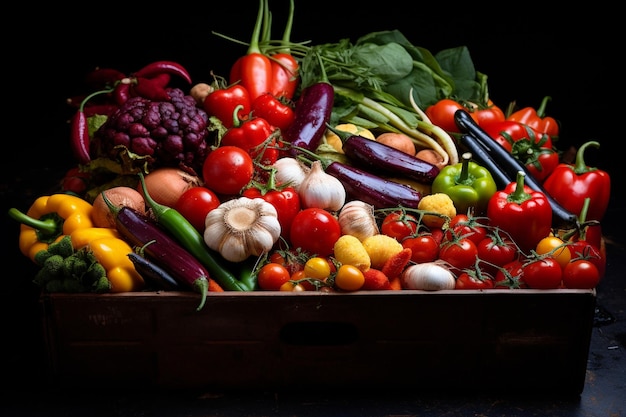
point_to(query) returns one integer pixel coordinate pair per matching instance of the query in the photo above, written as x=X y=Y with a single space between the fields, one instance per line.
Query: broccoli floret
x=62 y=247
x=41 y=256
x=101 y=285
x=54 y=265
x=73 y=285
x=93 y=274
x=56 y=285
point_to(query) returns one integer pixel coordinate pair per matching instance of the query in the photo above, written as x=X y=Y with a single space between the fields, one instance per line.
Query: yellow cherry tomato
x=317 y=267
x=349 y=278
x=556 y=247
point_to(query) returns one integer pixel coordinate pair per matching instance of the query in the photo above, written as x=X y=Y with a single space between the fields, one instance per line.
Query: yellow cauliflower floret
x=438 y=203
x=349 y=250
x=334 y=140
x=380 y=248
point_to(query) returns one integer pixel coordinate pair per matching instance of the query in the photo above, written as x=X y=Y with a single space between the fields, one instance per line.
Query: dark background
x=527 y=54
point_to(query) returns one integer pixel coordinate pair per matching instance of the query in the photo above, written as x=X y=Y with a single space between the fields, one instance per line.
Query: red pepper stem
x=286 y=41
x=541 y=111
x=519 y=195
x=581 y=167
x=256 y=32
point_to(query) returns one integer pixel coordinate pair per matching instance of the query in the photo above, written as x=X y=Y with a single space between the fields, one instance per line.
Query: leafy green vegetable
x=387 y=62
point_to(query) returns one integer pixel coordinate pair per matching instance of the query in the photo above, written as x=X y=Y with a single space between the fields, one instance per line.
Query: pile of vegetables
x=337 y=167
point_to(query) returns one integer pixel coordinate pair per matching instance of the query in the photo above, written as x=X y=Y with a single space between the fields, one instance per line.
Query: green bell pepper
x=468 y=184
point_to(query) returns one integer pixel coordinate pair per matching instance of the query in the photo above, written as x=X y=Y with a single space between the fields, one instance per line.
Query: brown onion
x=121 y=196
x=166 y=185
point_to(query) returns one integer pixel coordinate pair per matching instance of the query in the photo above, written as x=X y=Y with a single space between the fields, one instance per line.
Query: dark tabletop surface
x=526 y=58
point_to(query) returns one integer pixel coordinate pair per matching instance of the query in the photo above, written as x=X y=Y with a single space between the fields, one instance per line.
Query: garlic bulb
x=290 y=172
x=321 y=190
x=242 y=227
x=356 y=218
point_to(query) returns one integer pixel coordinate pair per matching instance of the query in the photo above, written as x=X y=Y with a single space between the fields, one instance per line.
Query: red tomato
x=272 y=276
x=544 y=274
x=462 y=225
x=424 y=248
x=495 y=252
x=469 y=280
x=291 y=260
x=195 y=203
x=315 y=231
x=461 y=254
x=581 y=274
x=286 y=201
x=227 y=170
x=489 y=114
x=582 y=249
x=510 y=276
x=399 y=225
x=442 y=114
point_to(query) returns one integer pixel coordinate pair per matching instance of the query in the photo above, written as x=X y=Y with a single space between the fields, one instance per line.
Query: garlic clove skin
x=290 y=172
x=321 y=190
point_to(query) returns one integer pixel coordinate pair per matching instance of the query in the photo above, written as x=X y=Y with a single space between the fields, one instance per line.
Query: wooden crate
x=499 y=340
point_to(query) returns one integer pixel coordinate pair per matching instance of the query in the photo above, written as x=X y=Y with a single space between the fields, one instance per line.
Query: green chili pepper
x=189 y=237
x=468 y=184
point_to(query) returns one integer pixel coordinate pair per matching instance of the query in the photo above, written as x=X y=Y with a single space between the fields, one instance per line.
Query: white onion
x=428 y=276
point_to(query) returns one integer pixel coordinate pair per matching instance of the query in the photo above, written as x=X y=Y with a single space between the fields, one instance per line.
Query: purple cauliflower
x=169 y=133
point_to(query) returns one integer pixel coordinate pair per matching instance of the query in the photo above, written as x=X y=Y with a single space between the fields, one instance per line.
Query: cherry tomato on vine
x=554 y=245
x=582 y=249
x=399 y=225
x=424 y=248
x=272 y=276
x=469 y=280
x=315 y=231
x=581 y=274
x=510 y=275
x=291 y=286
x=317 y=267
x=349 y=278
x=227 y=170
x=461 y=225
x=461 y=253
x=544 y=273
x=195 y=203
x=495 y=251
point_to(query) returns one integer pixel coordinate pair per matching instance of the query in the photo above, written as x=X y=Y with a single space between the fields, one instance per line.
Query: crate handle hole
x=319 y=333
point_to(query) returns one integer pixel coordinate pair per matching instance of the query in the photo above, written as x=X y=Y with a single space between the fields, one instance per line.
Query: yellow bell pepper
x=49 y=219
x=112 y=253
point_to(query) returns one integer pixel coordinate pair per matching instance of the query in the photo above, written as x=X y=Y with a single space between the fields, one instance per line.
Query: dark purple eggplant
x=312 y=113
x=155 y=276
x=482 y=157
x=139 y=230
x=561 y=218
x=379 y=157
x=372 y=189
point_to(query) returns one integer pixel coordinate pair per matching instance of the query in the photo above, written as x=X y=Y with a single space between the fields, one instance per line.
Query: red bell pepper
x=525 y=214
x=284 y=198
x=222 y=102
x=255 y=135
x=571 y=184
x=254 y=69
x=272 y=109
x=537 y=119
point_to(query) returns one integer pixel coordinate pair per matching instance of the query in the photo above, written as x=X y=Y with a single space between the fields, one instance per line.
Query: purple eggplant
x=312 y=113
x=379 y=157
x=141 y=231
x=372 y=189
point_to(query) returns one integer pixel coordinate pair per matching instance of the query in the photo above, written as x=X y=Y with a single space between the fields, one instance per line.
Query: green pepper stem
x=48 y=226
x=464 y=175
x=541 y=111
